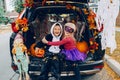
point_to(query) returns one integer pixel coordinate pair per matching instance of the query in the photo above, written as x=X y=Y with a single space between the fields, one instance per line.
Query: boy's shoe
x=52 y=78
x=42 y=78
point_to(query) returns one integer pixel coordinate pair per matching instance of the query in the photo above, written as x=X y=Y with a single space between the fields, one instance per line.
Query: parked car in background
x=48 y=12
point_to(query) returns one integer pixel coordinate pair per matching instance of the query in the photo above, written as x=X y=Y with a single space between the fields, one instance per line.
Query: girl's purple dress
x=74 y=55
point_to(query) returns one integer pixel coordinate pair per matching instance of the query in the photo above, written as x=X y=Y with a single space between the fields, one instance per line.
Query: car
x=49 y=12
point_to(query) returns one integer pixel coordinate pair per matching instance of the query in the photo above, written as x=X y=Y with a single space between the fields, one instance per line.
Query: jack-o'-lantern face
x=40 y=52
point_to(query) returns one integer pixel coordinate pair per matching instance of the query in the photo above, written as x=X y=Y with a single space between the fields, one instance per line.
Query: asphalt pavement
x=5 y=60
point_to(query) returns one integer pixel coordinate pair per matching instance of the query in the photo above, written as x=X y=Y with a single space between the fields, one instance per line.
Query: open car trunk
x=47 y=16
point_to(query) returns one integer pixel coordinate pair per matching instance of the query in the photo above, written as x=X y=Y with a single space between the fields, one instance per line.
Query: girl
x=71 y=52
x=20 y=59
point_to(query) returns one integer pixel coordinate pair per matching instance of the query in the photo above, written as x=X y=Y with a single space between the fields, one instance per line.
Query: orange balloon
x=82 y=46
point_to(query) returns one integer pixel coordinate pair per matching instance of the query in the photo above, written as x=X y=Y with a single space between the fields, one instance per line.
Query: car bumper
x=70 y=73
x=85 y=72
x=94 y=69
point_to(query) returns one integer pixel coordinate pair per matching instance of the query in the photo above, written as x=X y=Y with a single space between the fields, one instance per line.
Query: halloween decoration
x=14 y=28
x=20 y=59
x=82 y=46
x=28 y=3
x=91 y=20
x=21 y=24
x=107 y=13
x=40 y=52
x=32 y=49
x=93 y=45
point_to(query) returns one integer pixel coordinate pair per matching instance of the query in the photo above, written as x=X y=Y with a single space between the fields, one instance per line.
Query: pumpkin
x=32 y=49
x=40 y=52
x=82 y=46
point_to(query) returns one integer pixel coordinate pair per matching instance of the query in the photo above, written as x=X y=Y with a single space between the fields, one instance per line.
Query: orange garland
x=91 y=20
x=21 y=24
x=93 y=45
x=28 y=3
x=21 y=21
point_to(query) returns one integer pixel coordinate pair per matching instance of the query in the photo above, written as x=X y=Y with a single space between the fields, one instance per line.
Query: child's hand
x=44 y=40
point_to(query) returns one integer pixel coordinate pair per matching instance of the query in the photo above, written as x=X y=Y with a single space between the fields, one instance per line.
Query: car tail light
x=99 y=66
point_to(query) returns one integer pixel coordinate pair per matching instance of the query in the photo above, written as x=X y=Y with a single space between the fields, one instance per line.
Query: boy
x=51 y=60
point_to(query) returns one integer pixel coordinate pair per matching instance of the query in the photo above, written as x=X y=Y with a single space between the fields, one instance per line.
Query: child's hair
x=57 y=24
x=70 y=27
x=18 y=38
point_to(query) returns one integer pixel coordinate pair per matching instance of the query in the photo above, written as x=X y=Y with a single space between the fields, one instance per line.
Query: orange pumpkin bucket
x=82 y=46
x=40 y=52
x=32 y=49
